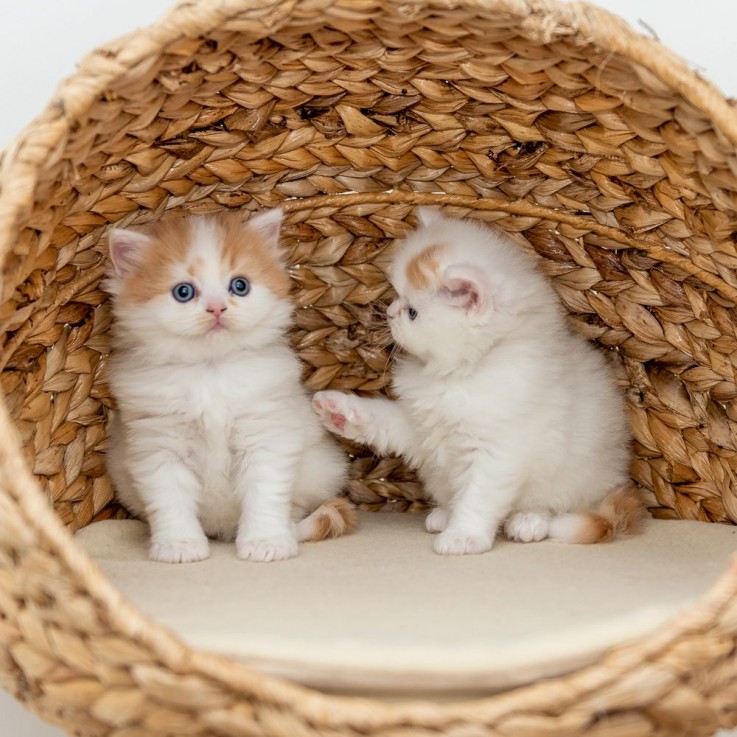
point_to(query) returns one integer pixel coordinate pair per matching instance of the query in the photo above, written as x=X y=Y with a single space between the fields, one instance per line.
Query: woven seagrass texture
x=591 y=145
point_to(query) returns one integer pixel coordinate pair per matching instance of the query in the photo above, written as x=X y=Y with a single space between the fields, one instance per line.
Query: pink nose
x=393 y=309
x=217 y=310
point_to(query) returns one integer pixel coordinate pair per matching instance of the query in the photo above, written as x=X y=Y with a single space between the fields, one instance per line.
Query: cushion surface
x=379 y=613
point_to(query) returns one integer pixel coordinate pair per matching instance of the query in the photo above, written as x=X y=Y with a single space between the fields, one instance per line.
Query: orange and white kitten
x=510 y=419
x=213 y=435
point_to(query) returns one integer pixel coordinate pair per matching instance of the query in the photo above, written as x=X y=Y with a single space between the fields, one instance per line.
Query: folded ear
x=466 y=286
x=428 y=216
x=126 y=249
x=268 y=224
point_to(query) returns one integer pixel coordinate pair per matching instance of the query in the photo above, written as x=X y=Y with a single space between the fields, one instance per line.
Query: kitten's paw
x=437 y=520
x=266 y=549
x=339 y=413
x=451 y=542
x=187 y=550
x=527 y=527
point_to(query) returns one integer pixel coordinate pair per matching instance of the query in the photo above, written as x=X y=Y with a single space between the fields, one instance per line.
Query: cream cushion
x=377 y=612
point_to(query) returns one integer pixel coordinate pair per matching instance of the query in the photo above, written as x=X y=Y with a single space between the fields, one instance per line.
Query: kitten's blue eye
x=184 y=292
x=240 y=286
x=411 y=313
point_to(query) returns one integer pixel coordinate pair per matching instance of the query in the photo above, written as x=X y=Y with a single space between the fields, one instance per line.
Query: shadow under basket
x=588 y=144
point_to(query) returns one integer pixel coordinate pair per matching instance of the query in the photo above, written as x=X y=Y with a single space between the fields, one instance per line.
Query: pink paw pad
x=338 y=420
x=325 y=405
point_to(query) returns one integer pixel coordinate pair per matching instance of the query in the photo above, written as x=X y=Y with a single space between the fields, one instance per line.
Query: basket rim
x=22 y=503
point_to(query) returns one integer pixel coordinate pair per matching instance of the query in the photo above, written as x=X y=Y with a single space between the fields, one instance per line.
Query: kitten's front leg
x=438 y=489
x=378 y=423
x=265 y=484
x=170 y=493
x=437 y=520
x=485 y=495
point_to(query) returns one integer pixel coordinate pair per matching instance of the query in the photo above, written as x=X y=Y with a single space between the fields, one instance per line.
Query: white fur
x=567 y=527
x=505 y=414
x=214 y=436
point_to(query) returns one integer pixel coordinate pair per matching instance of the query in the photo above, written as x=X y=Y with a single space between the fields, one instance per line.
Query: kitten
x=507 y=416
x=214 y=435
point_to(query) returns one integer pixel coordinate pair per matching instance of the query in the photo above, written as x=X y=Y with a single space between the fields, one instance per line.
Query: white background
x=41 y=40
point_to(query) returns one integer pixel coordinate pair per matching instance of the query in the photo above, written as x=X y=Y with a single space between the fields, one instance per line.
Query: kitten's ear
x=268 y=224
x=126 y=249
x=428 y=216
x=466 y=286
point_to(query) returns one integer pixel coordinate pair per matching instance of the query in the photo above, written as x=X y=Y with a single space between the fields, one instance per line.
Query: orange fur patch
x=626 y=508
x=423 y=266
x=171 y=239
x=594 y=529
x=243 y=251
x=622 y=511
x=333 y=518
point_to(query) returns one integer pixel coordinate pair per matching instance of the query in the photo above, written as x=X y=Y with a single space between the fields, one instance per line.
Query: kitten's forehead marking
x=205 y=255
x=423 y=266
x=206 y=240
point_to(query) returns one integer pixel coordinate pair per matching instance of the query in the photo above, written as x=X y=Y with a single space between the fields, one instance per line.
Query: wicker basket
x=592 y=144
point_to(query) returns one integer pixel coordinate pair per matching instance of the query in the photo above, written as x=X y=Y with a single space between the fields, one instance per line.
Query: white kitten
x=214 y=435
x=505 y=414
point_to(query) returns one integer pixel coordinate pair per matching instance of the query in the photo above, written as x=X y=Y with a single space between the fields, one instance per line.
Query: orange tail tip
x=332 y=518
x=621 y=512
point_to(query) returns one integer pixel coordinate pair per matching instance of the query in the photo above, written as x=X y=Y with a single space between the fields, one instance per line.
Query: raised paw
x=437 y=520
x=187 y=550
x=267 y=549
x=451 y=542
x=527 y=527
x=339 y=413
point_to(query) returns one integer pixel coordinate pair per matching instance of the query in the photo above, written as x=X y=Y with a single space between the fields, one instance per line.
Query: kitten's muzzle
x=217 y=312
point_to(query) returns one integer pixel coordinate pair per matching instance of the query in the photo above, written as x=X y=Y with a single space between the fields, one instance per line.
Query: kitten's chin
x=216 y=329
x=225 y=337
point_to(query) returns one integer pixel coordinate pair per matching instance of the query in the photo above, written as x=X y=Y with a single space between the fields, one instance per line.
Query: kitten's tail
x=621 y=511
x=332 y=518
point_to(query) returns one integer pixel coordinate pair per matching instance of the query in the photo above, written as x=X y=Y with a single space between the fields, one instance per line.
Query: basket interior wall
x=623 y=187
